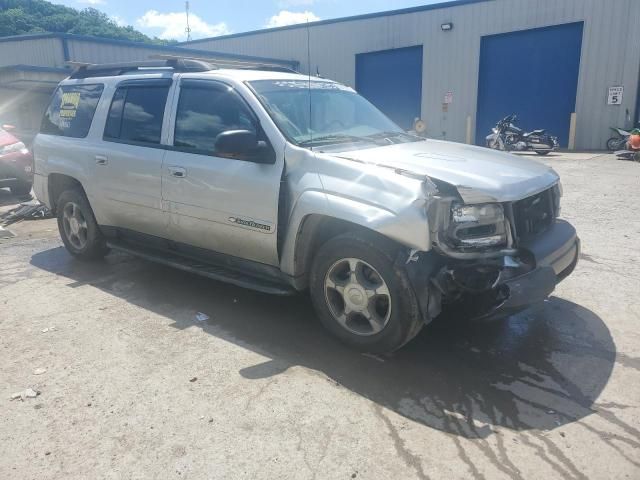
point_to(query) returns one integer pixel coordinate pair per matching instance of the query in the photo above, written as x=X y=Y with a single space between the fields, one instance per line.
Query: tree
x=18 y=17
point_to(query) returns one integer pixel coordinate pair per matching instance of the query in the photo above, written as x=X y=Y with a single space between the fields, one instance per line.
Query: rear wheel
x=361 y=296
x=78 y=228
x=21 y=189
x=543 y=152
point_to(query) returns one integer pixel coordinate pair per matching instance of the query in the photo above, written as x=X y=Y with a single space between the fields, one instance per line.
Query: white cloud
x=118 y=20
x=295 y=3
x=92 y=2
x=286 y=17
x=172 y=25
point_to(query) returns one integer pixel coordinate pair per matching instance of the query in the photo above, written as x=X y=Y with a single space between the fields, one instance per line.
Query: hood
x=479 y=174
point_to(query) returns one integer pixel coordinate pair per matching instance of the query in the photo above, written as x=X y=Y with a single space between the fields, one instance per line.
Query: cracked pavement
x=553 y=392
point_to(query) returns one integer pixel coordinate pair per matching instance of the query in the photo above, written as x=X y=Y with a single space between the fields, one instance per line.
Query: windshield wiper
x=335 y=138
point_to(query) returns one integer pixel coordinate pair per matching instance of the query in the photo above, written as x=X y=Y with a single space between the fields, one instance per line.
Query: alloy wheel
x=75 y=225
x=357 y=296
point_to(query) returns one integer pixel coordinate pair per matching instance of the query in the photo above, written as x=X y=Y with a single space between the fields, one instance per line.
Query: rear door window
x=71 y=110
x=136 y=113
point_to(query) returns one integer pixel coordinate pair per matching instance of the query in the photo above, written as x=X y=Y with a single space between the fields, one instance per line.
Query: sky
x=208 y=18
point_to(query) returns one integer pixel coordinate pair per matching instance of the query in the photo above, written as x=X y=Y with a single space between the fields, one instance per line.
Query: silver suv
x=282 y=183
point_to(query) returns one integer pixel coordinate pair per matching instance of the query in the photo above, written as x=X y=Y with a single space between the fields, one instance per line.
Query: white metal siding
x=610 y=46
x=44 y=52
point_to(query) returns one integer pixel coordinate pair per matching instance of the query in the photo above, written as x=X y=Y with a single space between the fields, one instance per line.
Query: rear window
x=136 y=114
x=71 y=110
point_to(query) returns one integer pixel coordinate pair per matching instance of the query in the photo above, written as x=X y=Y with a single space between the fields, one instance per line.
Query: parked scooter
x=618 y=142
x=506 y=136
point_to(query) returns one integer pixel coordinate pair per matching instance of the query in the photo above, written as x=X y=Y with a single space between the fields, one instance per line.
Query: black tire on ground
x=95 y=246
x=21 y=189
x=404 y=320
x=543 y=152
x=614 y=144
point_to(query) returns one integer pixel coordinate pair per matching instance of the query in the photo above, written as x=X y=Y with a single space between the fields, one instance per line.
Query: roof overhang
x=31 y=77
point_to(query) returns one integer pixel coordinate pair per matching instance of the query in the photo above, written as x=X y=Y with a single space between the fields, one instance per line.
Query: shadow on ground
x=536 y=370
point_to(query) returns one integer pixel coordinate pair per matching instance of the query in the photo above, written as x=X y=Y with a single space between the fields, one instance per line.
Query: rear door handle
x=178 y=172
x=101 y=160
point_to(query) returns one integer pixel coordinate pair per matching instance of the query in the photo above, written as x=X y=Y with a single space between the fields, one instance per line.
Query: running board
x=209 y=270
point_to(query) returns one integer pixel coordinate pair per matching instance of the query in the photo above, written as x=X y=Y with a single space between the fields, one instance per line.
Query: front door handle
x=101 y=160
x=178 y=172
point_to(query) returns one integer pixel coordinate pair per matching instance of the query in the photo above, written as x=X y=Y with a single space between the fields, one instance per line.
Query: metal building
x=32 y=65
x=463 y=65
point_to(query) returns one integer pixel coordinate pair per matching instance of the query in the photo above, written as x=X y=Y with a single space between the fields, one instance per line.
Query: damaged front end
x=493 y=258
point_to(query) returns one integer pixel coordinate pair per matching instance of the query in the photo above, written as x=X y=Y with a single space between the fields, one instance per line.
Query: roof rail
x=87 y=70
x=218 y=62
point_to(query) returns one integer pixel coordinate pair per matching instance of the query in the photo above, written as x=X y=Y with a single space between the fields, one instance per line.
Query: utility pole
x=187 y=30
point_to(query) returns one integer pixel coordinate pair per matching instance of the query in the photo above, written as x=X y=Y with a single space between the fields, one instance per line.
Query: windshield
x=336 y=113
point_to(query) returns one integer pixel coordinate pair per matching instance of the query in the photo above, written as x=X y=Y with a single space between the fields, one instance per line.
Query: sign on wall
x=448 y=97
x=615 y=96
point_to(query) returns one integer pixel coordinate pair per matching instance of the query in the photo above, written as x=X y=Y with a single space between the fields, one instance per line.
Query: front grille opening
x=534 y=215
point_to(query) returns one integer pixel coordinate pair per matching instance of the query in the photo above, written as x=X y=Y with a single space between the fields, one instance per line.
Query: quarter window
x=136 y=114
x=205 y=111
x=71 y=110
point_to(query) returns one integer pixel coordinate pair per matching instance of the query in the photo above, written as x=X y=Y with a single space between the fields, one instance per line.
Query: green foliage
x=18 y=17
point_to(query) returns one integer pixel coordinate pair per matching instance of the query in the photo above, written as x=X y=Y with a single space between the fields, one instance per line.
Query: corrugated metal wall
x=44 y=52
x=610 y=57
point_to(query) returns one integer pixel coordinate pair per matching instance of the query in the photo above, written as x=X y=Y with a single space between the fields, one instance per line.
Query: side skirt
x=224 y=268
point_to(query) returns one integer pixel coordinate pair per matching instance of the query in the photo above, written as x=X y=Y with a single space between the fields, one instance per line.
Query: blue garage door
x=532 y=73
x=392 y=81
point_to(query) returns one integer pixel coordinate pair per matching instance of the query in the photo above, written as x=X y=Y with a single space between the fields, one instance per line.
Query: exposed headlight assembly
x=477 y=226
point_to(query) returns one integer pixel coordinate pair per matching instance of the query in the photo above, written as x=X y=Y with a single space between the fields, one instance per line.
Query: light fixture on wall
x=446 y=26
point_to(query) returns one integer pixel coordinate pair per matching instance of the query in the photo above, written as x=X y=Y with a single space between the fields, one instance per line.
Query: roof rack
x=87 y=70
x=218 y=62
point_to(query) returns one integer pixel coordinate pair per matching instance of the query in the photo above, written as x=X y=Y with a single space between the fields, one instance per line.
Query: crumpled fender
x=408 y=227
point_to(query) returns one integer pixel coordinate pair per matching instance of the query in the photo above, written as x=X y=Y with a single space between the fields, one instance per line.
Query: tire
x=82 y=238
x=614 y=144
x=396 y=317
x=495 y=145
x=543 y=152
x=21 y=189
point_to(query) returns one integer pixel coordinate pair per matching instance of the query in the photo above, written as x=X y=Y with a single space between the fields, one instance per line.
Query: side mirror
x=243 y=145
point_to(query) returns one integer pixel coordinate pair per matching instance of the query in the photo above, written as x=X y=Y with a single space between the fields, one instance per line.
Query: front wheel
x=493 y=144
x=614 y=144
x=361 y=296
x=78 y=228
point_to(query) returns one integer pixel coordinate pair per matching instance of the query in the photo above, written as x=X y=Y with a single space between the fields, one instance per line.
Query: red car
x=16 y=164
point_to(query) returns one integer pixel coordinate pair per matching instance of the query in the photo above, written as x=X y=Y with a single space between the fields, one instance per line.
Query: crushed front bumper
x=523 y=280
x=555 y=254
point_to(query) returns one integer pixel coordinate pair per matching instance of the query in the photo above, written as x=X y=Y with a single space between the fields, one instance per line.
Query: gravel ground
x=132 y=385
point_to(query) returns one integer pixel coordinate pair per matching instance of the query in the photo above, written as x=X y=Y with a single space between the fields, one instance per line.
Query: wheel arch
x=317 y=217
x=58 y=183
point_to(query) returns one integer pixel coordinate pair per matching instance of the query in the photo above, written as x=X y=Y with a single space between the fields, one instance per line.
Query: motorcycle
x=506 y=136
x=616 y=143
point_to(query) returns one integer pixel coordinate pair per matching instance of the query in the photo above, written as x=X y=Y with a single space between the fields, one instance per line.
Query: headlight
x=478 y=226
x=14 y=147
